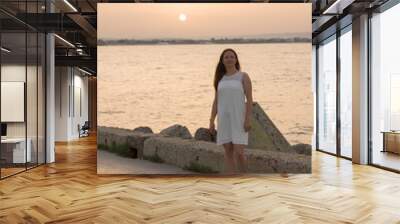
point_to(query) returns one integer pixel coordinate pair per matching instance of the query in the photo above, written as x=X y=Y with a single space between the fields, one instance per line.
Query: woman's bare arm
x=214 y=108
x=249 y=96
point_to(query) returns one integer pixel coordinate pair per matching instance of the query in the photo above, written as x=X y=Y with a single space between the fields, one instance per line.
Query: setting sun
x=182 y=17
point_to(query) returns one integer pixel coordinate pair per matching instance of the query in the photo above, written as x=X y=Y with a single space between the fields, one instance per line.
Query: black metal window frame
x=381 y=9
x=337 y=35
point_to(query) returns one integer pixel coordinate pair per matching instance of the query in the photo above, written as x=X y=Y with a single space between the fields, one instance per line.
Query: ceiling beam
x=75 y=61
x=86 y=27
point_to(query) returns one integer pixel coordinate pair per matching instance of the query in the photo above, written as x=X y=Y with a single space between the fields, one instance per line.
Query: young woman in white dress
x=233 y=103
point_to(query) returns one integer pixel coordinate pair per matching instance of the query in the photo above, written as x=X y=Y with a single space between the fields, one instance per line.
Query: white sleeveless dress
x=231 y=110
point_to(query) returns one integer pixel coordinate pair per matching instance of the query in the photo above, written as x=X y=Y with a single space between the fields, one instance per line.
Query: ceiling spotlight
x=84 y=71
x=70 y=5
x=5 y=50
x=338 y=6
x=65 y=41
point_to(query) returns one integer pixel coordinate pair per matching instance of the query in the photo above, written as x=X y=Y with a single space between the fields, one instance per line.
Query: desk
x=15 y=148
x=391 y=141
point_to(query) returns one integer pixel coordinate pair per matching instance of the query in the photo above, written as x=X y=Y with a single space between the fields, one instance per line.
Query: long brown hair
x=221 y=70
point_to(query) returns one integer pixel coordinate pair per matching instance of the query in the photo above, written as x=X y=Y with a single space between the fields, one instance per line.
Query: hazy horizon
x=261 y=36
x=203 y=20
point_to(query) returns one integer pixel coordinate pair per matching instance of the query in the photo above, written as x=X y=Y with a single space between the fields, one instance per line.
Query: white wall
x=12 y=101
x=33 y=127
x=62 y=81
x=13 y=72
x=69 y=85
x=16 y=73
x=80 y=89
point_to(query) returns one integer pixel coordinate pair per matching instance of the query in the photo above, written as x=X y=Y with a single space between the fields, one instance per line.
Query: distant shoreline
x=101 y=42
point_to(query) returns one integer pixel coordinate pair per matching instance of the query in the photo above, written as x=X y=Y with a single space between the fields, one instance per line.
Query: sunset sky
x=201 y=20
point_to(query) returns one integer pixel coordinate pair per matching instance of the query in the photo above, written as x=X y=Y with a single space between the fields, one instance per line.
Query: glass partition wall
x=13 y=89
x=22 y=107
x=334 y=93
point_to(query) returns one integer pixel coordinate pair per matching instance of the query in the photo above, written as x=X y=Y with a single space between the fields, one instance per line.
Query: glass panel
x=41 y=98
x=31 y=85
x=31 y=100
x=327 y=96
x=13 y=87
x=385 y=89
x=346 y=93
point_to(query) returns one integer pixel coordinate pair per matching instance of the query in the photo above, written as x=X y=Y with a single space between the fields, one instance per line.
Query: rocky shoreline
x=267 y=152
x=175 y=147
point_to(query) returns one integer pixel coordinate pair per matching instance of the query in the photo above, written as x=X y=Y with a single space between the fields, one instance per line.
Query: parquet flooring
x=70 y=191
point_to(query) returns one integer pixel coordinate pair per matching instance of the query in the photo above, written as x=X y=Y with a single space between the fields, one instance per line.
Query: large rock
x=207 y=156
x=261 y=161
x=204 y=134
x=264 y=134
x=302 y=148
x=143 y=129
x=134 y=140
x=111 y=135
x=177 y=130
x=185 y=152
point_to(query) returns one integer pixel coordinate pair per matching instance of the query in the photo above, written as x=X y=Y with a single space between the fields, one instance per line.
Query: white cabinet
x=18 y=145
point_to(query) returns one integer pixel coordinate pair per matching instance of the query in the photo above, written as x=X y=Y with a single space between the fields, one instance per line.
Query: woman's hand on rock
x=212 y=127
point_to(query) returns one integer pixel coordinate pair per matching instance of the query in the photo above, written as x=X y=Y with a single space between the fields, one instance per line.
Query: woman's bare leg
x=229 y=160
x=238 y=151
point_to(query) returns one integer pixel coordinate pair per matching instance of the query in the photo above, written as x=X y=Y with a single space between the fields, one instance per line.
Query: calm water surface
x=161 y=85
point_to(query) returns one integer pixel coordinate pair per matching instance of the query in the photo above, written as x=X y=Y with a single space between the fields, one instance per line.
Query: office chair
x=84 y=130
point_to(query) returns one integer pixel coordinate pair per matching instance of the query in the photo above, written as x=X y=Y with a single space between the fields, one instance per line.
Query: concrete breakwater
x=196 y=155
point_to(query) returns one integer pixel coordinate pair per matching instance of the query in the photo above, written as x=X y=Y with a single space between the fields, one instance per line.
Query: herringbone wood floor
x=70 y=191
